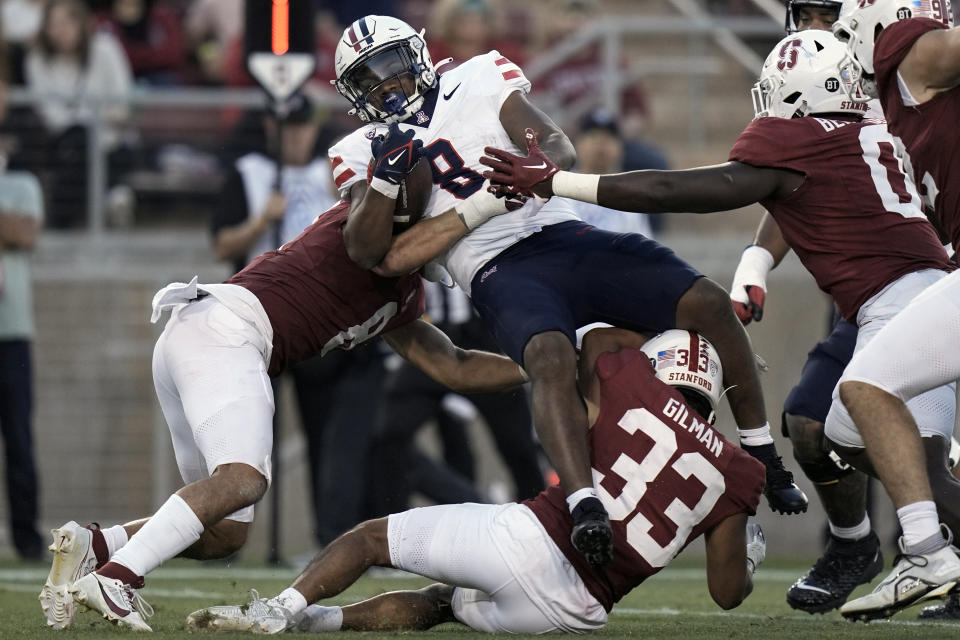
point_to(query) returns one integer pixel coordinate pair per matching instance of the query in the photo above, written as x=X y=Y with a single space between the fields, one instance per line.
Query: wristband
x=386 y=188
x=578 y=186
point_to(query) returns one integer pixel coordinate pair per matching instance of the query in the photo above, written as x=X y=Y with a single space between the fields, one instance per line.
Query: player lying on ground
x=535 y=280
x=211 y=369
x=843 y=202
x=664 y=474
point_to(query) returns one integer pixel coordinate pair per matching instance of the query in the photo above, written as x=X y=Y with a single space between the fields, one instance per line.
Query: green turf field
x=674 y=604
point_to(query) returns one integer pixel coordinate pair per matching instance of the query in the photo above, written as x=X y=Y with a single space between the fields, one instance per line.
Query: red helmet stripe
x=694 y=351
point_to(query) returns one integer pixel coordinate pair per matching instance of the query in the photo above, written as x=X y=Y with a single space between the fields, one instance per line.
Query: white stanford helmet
x=794 y=6
x=375 y=49
x=686 y=359
x=860 y=24
x=801 y=76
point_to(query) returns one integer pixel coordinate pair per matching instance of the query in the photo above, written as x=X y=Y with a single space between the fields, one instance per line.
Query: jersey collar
x=424 y=115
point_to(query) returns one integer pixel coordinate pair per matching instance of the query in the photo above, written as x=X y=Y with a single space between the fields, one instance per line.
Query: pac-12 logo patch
x=789 y=53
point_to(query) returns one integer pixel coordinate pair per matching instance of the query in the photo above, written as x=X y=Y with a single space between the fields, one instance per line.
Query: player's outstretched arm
x=464 y=371
x=729 y=574
x=701 y=190
x=933 y=64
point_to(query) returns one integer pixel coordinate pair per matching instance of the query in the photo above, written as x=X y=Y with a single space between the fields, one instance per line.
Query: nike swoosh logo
x=447 y=96
x=542 y=165
x=810 y=587
x=392 y=161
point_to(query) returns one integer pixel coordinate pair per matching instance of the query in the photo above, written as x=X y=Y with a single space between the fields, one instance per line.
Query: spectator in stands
x=600 y=148
x=21 y=22
x=256 y=213
x=77 y=75
x=211 y=28
x=410 y=399
x=150 y=33
x=21 y=211
x=462 y=29
x=578 y=81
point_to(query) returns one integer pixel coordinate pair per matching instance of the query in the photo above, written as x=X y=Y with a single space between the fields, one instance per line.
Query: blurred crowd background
x=135 y=150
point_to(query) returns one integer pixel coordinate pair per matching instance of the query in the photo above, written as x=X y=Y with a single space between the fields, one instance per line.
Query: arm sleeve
x=497 y=77
x=349 y=159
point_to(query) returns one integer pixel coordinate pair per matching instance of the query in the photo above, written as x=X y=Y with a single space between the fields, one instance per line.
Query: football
x=414 y=194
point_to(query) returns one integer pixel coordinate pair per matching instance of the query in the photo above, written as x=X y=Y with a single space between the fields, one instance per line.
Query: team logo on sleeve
x=789 y=53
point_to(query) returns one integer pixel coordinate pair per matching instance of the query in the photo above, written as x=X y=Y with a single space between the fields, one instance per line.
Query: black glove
x=394 y=156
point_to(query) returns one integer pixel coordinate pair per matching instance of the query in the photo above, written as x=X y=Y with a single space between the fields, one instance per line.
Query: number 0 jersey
x=664 y=475
x=927 y=130
x=318 y=299
x=465 y=117
x=856 y=222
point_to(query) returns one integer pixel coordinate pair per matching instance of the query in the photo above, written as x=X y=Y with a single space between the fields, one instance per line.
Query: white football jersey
x=466 y=119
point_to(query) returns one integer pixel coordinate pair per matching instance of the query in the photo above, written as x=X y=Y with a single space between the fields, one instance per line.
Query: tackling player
x=841 y=197
x=906 y=54
x=852 y=556
x=663 y=472
x=533 y=280
x=211 y=368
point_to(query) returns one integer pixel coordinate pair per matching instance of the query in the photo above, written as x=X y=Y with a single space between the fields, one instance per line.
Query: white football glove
x=749 y=288
x=756 y=546
x=483 y=205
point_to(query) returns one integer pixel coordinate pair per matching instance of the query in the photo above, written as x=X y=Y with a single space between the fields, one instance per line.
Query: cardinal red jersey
x=318 y=299
x=928 y=130
x=856 y=222
x=664 y=475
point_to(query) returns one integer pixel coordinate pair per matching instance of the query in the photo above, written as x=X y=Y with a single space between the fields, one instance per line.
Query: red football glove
x=531 y=173
x=752 y=309
x=749 y=288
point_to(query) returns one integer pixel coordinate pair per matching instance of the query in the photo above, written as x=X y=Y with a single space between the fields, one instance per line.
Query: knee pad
x=813 y=453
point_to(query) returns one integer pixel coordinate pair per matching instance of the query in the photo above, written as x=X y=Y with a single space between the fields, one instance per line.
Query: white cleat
x=260 y=615
x=116 y=601
x=73 y=558
x=914 y=579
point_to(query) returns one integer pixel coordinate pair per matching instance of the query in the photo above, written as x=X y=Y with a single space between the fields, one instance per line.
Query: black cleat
x=949 y=609
x=783 y=495
x=591 y=534
x=844 y=566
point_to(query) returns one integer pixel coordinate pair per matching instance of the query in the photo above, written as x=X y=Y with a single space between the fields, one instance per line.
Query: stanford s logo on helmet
x=688 y=360
x=383 y=68
x=788 y=54
x=802 y=76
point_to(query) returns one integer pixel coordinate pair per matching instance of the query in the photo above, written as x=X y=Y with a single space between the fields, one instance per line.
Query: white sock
x=919 y=522
x=574 y=498
x=173 y=528
x=755 y=437
x=855 y=532
x=116 y=537
x=291 y=600
x=318 y=619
